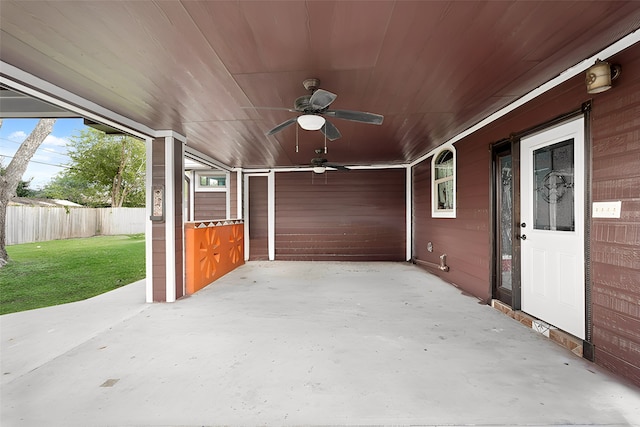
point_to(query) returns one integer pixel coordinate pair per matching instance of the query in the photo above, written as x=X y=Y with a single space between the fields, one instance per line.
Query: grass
x=49 y=273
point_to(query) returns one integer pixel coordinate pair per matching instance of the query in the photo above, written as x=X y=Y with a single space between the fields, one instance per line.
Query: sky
x=50 y=156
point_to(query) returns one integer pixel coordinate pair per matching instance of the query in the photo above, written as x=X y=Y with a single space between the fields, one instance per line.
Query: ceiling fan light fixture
x=319 y=169
x=311 y=121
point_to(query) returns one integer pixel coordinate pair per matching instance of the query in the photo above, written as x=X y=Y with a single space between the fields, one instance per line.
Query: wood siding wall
x=209 y=205
x=357 y=215
x=615 y=243
x=463 y=239
x=158 y=233
x=233 y=195
x=258 y=219
x=178 y=212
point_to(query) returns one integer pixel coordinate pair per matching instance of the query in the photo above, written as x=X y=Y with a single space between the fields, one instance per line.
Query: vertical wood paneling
x=27 y=224
x=341 y=216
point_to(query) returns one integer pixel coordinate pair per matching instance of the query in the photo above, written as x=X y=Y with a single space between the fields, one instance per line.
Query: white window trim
x=441 y=213
x=200 y=189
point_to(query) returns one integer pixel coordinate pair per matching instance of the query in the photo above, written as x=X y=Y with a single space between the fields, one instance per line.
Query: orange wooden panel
x=212 y=252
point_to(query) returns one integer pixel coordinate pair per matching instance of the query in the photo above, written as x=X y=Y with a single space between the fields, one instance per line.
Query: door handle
x=522 y=237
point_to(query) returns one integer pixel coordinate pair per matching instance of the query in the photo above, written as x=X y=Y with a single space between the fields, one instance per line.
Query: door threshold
x=560 y=337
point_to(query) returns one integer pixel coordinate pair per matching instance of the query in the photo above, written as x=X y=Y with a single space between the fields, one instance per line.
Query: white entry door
x=552 y=226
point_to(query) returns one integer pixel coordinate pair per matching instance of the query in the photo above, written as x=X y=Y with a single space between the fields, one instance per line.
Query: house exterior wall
x=615 y=243
x=357 y=215
x=210 y=205
x=615 y=175
x=233 y=195
x=258 y=238
x=463 y=239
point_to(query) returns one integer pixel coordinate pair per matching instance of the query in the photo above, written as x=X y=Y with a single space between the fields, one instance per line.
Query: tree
x=68 y=186
x=13 y=174
x=105 y=170
x=22 y=190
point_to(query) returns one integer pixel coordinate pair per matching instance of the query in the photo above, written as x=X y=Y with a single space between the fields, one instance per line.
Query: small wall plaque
x=157 y=203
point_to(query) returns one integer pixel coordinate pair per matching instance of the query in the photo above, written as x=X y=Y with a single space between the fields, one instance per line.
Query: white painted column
x=271 y=209
x=240 y=201
x=409 y=212
x=169 y=219
x=227 y=195
x=245 y=203
x=148 y=224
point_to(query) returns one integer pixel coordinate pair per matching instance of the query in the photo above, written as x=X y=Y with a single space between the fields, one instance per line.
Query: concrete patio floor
x=291 y=343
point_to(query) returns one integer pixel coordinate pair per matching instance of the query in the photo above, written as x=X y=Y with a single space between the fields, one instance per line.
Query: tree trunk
x=117 y=193
x=13 y=174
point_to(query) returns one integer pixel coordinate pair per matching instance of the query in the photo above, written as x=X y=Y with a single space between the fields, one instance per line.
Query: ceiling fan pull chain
x=296 y=138
x=325 y=143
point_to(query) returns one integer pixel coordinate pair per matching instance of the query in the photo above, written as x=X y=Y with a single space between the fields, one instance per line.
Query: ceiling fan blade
x=356 y=116
x=336 y=166
x=270 y=108
x=330 y=131
x=282 y=126
x=321 y=99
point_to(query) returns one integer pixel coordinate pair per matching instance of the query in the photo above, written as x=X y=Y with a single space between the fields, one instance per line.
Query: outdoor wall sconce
x=310 y=121
x=600 y=75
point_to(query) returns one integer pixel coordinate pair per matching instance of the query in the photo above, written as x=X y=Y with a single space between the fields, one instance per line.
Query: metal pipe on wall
x=442 y=266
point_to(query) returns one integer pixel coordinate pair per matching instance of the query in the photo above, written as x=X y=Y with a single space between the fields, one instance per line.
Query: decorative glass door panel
x=554 y=199
x=505 y=207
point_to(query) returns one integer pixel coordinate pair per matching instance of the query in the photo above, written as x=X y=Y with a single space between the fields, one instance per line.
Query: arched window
x=443 y=190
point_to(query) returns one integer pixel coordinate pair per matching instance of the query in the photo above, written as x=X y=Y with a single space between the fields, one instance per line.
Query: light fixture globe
x=310 y=121
x=319 y=169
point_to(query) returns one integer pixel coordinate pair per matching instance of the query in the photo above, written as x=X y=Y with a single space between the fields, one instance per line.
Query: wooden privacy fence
x=27 y=224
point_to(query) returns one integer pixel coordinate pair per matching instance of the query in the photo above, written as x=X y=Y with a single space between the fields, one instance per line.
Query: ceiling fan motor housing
x=318 y=161
x=302 y=103
x=311 y=84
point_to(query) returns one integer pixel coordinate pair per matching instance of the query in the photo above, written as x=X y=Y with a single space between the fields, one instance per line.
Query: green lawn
x=60 y=271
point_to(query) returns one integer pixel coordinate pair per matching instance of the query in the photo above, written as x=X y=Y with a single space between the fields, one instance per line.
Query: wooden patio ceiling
x=432 y=68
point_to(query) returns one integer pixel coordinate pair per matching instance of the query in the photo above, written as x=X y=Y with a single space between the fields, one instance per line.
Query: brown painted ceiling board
x=432 y=68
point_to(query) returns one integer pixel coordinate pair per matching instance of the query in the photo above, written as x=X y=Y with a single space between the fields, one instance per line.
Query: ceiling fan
x=320 y=164
x=315 y=108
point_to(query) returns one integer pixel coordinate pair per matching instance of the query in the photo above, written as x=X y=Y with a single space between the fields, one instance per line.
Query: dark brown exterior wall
x=210 y=205
x=463 y=239
x=615 y=243
x=357 y=215
x=233 y=194
x=158 y=233
x=258 y=218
